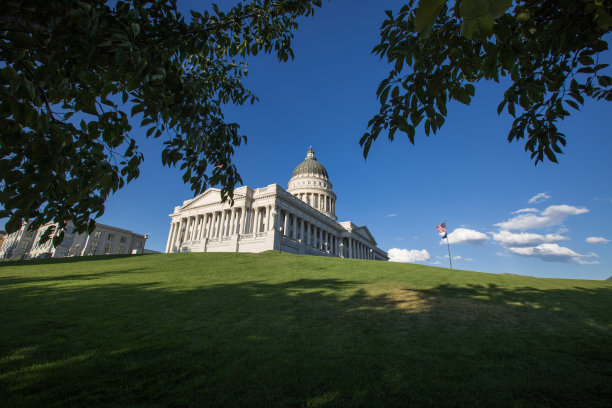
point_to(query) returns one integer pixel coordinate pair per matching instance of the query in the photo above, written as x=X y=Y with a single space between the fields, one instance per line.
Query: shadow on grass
x=72 y=259
x=6 y=281
x=309 y=342
x=592 y=305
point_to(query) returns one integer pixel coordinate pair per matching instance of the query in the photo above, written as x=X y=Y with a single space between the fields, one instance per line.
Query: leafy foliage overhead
x=73 y=72
x=439 y=50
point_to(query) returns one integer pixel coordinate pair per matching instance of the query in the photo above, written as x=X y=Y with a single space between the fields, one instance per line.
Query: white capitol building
x=299 y=220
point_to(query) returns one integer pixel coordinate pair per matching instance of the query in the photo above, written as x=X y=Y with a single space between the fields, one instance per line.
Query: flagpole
x=442 y=230
x=449 y=255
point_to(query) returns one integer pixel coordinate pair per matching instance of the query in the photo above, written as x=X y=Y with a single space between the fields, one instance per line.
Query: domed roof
x=310 y=166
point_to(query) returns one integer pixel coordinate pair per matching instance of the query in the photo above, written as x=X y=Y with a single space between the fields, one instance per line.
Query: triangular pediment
x=365 y=232
x=210 y=196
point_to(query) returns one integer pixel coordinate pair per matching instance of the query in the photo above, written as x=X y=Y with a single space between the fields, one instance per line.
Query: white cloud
x=436 y=263
x=525 y=210
x=457 y=258
x=405 y=255
x=558 y=211
x=553 y=215
x=597 y=240
x=553 y=253
x=538 y=198
x=466 y=236
x=525 y=239
x=391 y=215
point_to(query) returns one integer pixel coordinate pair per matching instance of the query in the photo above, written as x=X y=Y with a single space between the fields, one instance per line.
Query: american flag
x=441 y=229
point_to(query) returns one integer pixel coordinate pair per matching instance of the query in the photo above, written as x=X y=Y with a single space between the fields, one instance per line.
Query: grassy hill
x=277 y=330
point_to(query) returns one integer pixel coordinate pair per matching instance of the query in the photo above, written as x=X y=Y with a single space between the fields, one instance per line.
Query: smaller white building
x=105 y=240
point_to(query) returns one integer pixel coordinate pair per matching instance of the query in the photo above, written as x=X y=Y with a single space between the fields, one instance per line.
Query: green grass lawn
x=244 y=330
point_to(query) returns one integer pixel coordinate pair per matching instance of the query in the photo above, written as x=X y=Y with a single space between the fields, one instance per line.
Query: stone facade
x=105 y=240
x=299 y=220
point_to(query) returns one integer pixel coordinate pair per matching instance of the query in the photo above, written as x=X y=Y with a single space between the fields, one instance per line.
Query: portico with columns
x=298 y=220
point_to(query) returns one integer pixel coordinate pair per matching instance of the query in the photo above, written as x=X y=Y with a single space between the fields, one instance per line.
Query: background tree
x=73 y=72
x=547 y=49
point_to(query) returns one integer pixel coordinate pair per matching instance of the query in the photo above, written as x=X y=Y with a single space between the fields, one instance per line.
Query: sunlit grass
x=282 y=330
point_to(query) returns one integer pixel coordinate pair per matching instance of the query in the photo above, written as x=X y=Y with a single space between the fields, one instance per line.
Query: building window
x=107 y=248
x=122 y=240
x=111 y=237
x=120 y=249
x=24 y=244
x=97 y=234
x=138 y=244
x=94 y=246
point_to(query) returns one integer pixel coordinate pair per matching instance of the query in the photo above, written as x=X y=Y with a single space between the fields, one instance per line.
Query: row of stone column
x=219 y=224
x=321 y=202
x=299 y=228
x=354 y=248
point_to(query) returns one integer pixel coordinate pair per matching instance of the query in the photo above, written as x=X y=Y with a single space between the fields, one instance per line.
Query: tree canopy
x=73 y=72
x=548 y=50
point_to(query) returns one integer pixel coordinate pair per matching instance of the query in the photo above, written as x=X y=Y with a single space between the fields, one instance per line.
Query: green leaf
x=463 y=96
x=511 y=108
x=586 y=59
x=572 y=104
x=480 y=27
x=366 y=147
x=384 y=94
x=395 y=92
x=497 y=8
x=550 y=155
x=137 y=109
x=426 y=15
x=470 y=89
x=13 y=224
x=604 y=81
x=135 y=29
x=30 y=87
x=478 y=16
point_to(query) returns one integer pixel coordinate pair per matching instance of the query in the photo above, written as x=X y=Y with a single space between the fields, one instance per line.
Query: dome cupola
x=310 y=183
x=310 y=166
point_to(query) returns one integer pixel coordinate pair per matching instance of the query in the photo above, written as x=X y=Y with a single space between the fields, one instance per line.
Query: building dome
x=310 y=167
x=310 y=183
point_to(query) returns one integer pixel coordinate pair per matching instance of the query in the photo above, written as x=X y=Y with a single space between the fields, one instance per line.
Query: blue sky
x=505 y=215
